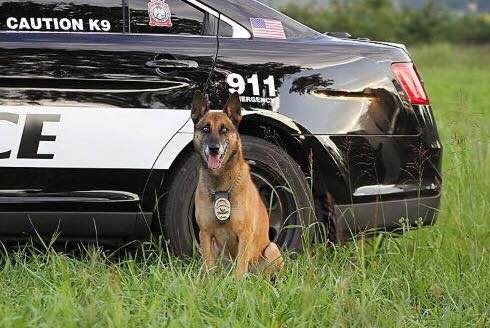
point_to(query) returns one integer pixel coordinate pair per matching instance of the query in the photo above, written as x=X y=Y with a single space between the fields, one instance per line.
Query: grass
x=436 y=276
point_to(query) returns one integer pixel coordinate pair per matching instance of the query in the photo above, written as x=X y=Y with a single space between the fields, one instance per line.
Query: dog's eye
x=223 y=130
x=205 y=129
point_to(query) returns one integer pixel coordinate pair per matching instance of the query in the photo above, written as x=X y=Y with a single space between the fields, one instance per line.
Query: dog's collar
x=222 y=204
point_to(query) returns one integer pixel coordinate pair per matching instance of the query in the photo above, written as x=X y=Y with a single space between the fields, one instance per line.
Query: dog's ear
x=199 y=107
x=233 y=109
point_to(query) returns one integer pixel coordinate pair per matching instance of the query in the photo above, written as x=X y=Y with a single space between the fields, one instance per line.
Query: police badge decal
x=159 y=13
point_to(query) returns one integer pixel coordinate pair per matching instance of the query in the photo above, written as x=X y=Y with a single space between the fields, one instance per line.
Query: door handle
x=171 y=63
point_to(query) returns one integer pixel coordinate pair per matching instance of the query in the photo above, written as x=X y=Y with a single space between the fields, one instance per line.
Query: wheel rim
x=278 y=200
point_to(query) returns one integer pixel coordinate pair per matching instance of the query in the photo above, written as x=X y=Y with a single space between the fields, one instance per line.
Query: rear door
x=181 y=39
x=90 y=93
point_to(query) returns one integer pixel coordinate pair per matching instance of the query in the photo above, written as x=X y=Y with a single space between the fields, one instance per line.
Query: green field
x=438 y=276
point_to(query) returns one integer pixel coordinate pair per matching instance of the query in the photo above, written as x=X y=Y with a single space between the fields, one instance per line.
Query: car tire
x=271 y=166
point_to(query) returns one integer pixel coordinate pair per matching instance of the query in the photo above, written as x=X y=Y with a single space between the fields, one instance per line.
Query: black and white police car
x=95 y=136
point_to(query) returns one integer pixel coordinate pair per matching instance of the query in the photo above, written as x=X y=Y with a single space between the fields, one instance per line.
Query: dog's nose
x=214 y=149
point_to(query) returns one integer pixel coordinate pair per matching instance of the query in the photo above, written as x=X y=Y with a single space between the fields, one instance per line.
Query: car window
x=62 y=16
x=172 y=17
x=242 y=10
x=165 y=17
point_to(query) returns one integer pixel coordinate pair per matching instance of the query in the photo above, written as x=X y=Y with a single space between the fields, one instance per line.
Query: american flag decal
x=267 y=28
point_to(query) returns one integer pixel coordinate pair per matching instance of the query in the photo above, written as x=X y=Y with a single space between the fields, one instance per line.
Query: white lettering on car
x=65 y=24
x=57 y=24
x=77 y=24
x=24 y=25
x=12 y=23
x=106 y=25
x=47 y=22
x=94 y=24
x=36 y=23
x=262 y=91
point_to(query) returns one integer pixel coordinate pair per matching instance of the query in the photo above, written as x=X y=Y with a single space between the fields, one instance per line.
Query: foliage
x=382 y=20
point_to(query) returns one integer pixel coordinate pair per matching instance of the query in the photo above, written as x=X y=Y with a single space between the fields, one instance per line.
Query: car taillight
x=413 y=86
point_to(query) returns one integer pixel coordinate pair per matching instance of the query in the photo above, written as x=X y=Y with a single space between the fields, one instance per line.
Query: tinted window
x=211 y=25
x=166 y=17
x=61 y=16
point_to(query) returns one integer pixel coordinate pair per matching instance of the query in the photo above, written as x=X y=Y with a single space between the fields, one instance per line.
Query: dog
x=230 y=213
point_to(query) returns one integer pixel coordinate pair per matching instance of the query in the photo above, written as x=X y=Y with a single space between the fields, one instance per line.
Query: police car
x=96 y=140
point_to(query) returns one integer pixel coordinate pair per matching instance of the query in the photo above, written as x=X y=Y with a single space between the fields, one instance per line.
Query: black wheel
x=280 y=181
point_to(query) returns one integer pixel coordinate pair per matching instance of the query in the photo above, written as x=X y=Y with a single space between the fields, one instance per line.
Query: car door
x=88 y=99
x=182 y=40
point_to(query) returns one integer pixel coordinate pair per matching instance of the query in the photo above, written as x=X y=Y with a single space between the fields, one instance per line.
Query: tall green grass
x=437 y=276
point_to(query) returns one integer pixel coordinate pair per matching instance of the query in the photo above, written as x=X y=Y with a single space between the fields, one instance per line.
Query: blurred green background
x=406 y=21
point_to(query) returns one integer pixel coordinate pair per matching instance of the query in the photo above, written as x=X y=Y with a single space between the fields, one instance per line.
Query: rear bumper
x=351 y=220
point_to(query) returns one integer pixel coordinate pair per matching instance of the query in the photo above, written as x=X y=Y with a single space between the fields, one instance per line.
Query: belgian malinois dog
x=232 y=218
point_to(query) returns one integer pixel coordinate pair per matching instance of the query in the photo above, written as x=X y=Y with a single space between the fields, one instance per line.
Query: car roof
x=242 y=10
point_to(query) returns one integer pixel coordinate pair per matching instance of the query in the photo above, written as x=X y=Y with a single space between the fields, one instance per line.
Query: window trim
x=239 y=32
x=116 y=33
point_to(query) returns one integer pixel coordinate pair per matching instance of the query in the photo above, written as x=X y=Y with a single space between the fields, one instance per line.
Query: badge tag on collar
x=222 y=206
x=159 y=13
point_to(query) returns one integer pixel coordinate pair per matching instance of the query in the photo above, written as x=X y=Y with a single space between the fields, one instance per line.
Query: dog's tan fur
x=245 y=236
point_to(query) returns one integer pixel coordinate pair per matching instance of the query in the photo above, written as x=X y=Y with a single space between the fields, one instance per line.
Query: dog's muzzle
x=214 y=155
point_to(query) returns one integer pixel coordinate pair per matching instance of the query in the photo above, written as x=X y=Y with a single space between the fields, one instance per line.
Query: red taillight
x=410 y=81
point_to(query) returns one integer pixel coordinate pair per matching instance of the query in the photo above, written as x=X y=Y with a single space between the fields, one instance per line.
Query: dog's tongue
x=213 y=162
